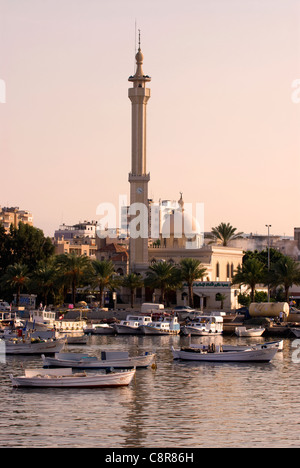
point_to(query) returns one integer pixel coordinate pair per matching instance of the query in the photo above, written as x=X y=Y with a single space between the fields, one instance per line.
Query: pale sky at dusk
x=222 y=127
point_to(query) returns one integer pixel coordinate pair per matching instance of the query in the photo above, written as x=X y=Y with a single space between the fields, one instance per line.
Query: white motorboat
x=100 y=329
x=243 y=331
x=204 y=325
x=115 y=359
x=167 y=326
x=64 y=378
x=132 y=324
x=33 y=346
x=218 y=355
x=42 y=319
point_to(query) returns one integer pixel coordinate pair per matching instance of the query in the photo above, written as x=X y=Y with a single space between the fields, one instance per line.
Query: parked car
x=183 y=312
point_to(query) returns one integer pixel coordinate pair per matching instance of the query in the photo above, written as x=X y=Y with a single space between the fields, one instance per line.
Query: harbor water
x=176 y=405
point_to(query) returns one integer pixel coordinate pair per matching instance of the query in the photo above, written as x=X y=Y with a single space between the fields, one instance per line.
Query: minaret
x=138 y=177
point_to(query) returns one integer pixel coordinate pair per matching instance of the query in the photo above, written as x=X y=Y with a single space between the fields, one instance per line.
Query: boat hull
x=195 y=332
x=72 y=381
x=243 y=332
x=48 y=347
x=127 y=330
x=100 y=331
x=256 y=355
x=148 y=330
x=134 y=362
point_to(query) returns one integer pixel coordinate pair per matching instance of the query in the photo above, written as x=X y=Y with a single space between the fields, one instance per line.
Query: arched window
x=228 y=271
x=232 y=270
x=217 y=271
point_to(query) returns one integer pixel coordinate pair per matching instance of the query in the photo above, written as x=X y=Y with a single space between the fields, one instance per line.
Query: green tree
x=75 y=270
x=221 y=298
x=45 y=279
x=16 y=277
x=132 y=282
x=163 y=276
x=191 y=270
x=285 y=272
x=28 y=245
x=224 y=233
x=250 y=273
x=103 y=275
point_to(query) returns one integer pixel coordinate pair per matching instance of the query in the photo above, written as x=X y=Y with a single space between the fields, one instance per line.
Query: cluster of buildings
x=176 y=234
x=13 y=216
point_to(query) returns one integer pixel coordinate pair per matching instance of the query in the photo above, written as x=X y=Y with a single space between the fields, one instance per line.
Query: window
x=217 y=271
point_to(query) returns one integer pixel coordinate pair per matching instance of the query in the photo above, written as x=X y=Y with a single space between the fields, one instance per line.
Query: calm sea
x=177 y=405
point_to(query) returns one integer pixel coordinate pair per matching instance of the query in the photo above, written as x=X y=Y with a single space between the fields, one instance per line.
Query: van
x=149 y=307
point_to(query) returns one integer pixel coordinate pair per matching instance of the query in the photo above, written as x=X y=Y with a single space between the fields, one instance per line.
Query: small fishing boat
x=115 y=359
x=243 y=331
x=77 y=339
x=204 y=326
x=167 y=326
x=132 y=324
x=216 y=354
x=33 y=346
x=64 y=378
x=226 y=347
x=100 y=329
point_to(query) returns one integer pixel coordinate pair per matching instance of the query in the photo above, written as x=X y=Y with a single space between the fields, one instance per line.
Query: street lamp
x=268 y=226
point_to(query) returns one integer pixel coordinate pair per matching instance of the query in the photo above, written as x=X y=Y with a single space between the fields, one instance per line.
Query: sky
x=222 y=126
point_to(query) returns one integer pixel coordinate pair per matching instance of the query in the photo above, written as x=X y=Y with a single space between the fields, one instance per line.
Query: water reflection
x=179 y=404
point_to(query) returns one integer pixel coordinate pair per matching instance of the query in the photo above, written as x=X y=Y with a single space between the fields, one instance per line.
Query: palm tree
x=74 y=269
x=251 y=273
x=224 y=233
x=45 y=279
x=103 y=275
x=285 y=272
x=132 y=282
x=163 y=276
x=16 y=277
x=191 y=270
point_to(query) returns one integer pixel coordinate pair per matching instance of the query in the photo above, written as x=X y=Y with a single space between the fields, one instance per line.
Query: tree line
x=28 y=264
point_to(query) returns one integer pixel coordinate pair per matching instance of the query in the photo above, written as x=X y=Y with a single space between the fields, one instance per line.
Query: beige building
x=14 y=216
x=78 y=245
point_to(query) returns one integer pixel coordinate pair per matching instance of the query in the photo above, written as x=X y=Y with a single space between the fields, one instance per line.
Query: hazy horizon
x=221 y=124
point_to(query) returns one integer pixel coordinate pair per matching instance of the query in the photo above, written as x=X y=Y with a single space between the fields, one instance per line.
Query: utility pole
x=268 y=226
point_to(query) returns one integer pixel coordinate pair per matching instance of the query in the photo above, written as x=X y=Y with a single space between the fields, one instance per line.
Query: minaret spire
x=139 y=95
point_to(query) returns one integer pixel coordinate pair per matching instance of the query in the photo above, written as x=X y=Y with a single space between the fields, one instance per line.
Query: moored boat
x=243 y=331
x=115 y=359
x=167 y=326
x=204 y=325
x=226 y=347
x=33 y=346
x=218 y=355
x=59 y=378
x=132 y=324
x=99 y=329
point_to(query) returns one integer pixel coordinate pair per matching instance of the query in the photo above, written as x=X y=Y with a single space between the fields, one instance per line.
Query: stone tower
x=139 y=95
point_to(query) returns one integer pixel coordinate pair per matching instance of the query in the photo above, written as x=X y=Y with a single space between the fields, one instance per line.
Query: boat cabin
x=136 y=320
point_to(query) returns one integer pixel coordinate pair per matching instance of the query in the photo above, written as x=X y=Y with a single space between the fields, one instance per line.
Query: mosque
x=179 y=234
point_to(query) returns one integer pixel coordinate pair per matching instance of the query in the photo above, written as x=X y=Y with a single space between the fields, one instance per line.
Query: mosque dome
x=180 y=224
